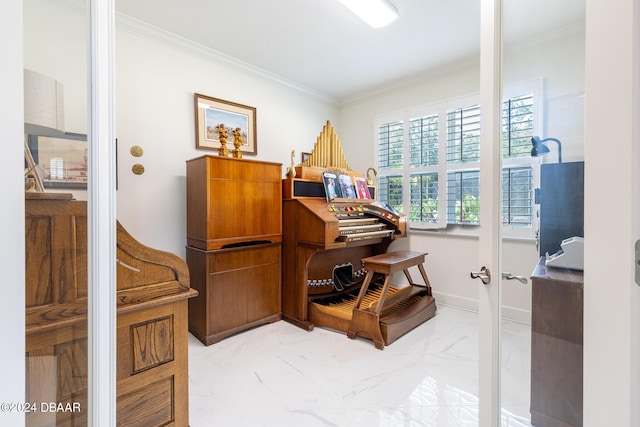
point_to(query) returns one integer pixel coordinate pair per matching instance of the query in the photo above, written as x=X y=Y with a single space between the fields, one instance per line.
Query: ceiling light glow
x=376 y=13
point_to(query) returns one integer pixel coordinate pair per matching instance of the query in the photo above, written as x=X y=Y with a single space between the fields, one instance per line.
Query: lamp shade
x=538 y=148
x=43 y=105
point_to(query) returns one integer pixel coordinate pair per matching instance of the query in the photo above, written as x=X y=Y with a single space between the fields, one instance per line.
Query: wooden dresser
x=556 y=346
x=234 y=238
x=152 y=292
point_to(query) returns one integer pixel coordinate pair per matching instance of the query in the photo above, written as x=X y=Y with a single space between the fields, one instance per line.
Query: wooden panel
x=264 y=292
x=56 y=240
x=152 y=343
x=232 y=201
x=38 y=261
x=151 y=405
x=56 y=373
x=556 y=347
x=82 y=236
x=237 y=288
x=198 y=202
x=247 y=211
x=40 y=383
x=227 y=300
x=152 y=322
x=72 y=369
x=130 y=359
x=244 y=257
x=198 y=313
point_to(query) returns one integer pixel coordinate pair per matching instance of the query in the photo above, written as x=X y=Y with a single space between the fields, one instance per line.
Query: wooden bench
x=416 y=301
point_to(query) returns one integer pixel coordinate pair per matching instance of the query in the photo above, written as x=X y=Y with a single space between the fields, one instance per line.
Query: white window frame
x=441 y=109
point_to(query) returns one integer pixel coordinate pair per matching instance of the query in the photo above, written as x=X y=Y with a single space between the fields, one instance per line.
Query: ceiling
x=322 y=47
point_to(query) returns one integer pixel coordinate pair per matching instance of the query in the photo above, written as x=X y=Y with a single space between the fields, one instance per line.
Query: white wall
x=156 y=78
x=612 y=178
x=12 y=303
x=560 y=65
x=155 y=89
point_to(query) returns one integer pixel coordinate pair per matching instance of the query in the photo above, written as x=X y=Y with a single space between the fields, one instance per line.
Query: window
x=463 y=135
x=517 y=173
x=423 y=141
x=517 y=190
x=390 y=190
x=424 y=198
x=463 y=148
x=429 y=162
x=390 y=141
x=463 y=197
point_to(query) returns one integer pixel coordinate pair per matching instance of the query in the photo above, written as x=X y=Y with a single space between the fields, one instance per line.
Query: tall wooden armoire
x=234 y=237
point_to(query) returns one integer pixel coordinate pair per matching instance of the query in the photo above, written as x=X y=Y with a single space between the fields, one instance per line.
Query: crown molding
x=157 y=35
x=160 y=36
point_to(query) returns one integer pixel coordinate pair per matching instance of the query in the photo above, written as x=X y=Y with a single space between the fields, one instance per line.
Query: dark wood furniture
x=561 y=199
x=325 y=243
x=152 y=292
x=234 y=235
x=556 y=346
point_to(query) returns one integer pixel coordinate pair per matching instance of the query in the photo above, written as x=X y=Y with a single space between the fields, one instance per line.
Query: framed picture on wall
x=62 y=160
x=212 y=112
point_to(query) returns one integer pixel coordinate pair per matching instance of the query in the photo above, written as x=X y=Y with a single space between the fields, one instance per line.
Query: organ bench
x=393 y=313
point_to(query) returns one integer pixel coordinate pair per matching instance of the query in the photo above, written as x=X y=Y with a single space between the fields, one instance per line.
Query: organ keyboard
x=324 y=245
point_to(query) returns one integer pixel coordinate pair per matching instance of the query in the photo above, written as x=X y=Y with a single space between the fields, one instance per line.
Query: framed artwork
x=212 y=112
x=304 y=156
x=62 y=160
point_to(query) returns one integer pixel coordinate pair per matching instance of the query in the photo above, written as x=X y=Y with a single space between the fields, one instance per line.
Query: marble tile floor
x=281 y=375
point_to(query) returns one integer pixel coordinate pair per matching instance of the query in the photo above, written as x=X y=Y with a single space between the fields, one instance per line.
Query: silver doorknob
x=484 y=274
x=509 y=276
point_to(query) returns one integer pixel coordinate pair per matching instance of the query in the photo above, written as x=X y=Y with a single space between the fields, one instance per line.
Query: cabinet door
x=227 y=300
x=264 y=290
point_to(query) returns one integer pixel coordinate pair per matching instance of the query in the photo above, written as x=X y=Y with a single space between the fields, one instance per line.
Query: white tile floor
x=281 y=375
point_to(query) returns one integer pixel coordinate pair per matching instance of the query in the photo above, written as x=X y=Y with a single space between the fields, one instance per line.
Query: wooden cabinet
x=234 y=237
x=232 y=201
x=152 y=292
x=238 y=288
x=556 y=346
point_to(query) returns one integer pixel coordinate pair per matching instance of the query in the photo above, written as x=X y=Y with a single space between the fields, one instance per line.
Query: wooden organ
x=325 y=244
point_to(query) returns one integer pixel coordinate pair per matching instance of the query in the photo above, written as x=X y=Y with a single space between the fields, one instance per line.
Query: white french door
x=489 y=247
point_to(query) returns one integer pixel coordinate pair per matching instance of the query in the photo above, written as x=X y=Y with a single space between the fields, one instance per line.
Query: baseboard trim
x=508 y=313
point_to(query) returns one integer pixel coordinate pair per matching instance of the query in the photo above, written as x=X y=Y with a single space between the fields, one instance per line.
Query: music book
x=362 y=189
x=331 y=186
x=346 y=186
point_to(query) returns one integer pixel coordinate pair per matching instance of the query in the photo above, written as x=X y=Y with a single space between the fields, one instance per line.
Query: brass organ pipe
x=327 y=151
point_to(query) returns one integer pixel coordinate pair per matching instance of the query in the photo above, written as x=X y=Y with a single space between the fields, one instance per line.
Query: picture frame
x=62 y=160
x=304 y=156
x=210 y=112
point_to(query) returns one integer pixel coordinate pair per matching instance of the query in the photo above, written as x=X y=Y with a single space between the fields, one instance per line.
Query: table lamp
x=43 y=115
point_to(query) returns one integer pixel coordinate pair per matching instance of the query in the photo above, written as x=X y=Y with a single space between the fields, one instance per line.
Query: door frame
x=490 y=234
x=101 y=215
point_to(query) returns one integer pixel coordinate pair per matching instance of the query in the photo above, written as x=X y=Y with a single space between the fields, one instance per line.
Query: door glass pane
x=543 y=97
x=55 y=58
